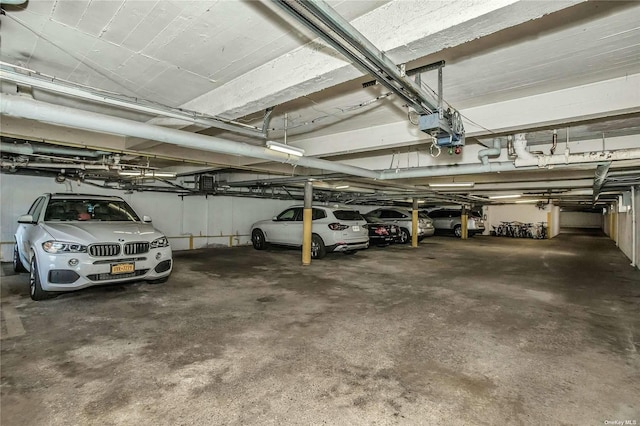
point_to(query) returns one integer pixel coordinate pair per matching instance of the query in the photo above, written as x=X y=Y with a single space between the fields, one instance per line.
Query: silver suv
x=402 y=217
x=333 y=229
x=71 y=241
x=450 y=221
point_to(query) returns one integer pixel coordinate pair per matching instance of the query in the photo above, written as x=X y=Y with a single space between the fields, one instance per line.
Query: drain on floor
x=266 y=299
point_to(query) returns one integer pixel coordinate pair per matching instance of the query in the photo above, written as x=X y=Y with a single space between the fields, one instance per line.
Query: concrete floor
x=485 y=331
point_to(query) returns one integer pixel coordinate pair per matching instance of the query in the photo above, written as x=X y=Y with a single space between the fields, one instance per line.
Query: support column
x=549 y=228
x=306 y=223
x=414 y=224
x=464 y=218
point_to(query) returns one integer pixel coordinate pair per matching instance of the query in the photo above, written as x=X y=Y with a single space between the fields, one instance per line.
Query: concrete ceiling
x=511 y=67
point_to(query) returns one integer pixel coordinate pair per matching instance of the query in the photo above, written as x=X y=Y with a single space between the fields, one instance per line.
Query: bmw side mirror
x=146 y=219
x=27 y=218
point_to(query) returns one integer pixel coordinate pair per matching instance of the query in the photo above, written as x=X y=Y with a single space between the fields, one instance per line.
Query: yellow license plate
x=122 y=268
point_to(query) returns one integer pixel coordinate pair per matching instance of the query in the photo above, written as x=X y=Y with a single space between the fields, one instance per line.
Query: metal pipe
x=582 y=158
x=17 y=106
x=483 y=154
x=58 y=166
x=555 y=142
x=67 y=88
x=370 y=58
x=28 y=149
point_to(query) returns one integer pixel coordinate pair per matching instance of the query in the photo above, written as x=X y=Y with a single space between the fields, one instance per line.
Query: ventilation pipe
x=28 y=149
x=484 y=154
x=34 y=110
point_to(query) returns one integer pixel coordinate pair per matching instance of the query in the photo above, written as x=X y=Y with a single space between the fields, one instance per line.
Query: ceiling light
x=452 y=185
x=342 y=187
x=280 y=147
x=499 y=197
x=526 y=201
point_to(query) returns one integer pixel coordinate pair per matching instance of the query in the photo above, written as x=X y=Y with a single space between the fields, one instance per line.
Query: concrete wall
x=581 y=220
x=210 y=220
x=527 y=213
x=625 y=235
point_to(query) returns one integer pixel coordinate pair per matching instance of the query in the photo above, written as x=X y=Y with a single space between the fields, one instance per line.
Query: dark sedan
x=382 y=234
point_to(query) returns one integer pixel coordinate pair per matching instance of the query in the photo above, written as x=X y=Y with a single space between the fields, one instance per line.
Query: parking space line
x=12 y=322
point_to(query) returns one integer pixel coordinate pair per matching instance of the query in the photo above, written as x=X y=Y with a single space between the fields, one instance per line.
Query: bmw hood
x=94 y=232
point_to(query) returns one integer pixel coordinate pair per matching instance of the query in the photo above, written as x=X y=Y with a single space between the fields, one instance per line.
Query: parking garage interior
x=210 y=116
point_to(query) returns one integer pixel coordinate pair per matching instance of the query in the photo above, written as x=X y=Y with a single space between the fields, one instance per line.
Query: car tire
x=457 y=231
x=404 y=237
x=318 y=250
x=258 y=240
x=35 y=287
x=158 y=281
x=17 y=263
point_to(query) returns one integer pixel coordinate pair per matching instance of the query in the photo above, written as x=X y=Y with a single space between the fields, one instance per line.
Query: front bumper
x=57 y=275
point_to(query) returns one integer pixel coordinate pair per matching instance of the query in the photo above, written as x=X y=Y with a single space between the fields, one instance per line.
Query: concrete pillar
x=414 y=224
x=464 y=218
x=307 y=217
x=549 y=223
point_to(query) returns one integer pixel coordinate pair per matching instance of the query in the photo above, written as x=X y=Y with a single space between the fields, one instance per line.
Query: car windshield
x=89 y=210
x=347 y=215
x=423 y=215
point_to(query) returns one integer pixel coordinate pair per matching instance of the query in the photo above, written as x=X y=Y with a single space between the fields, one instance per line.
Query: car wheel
x=35 y=288
x=404 y=237
x=457 y=230
x=318 y=250
x=17 y=263
x=258 y=240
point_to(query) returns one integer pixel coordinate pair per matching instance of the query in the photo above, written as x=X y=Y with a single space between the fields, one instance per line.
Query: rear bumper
x=348 y=246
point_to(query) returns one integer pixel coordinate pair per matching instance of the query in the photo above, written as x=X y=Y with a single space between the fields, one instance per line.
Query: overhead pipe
x=11 y=164
x=520 y=148
x=484 y=154
x=28 y=149
x=20 y=107
x=355 y=46
x=66 y=88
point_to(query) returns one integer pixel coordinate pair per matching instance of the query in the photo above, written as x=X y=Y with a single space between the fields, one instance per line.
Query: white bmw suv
x=334 y=229
x=72 y=241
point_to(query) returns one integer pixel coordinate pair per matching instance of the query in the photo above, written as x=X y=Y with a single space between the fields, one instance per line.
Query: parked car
x=448 y=220
x=72 y=241
x=334 y=229
x=382 y=234
x=402 y=218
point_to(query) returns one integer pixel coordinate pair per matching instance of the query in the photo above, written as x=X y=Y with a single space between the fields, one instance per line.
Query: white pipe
x=449 y=170
x=634 y=229
x=586 y=157
x=483 y=154
x=58 y=166
x=520 y=147
x=34 y=110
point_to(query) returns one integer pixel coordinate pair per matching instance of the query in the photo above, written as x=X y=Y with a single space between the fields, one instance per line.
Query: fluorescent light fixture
x=500 y=197
x=526 y=201
x=280 y=147
x=146 y=174
x=452 y=185
x=342 y=187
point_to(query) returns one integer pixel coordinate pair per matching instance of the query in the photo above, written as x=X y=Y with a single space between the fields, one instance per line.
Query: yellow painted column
x=307 y=218
x=549 y=217
x=414 y=224
x=464 y=224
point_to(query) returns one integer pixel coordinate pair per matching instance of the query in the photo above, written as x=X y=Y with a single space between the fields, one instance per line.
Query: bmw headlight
x=63 y=247
x=159 y=242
